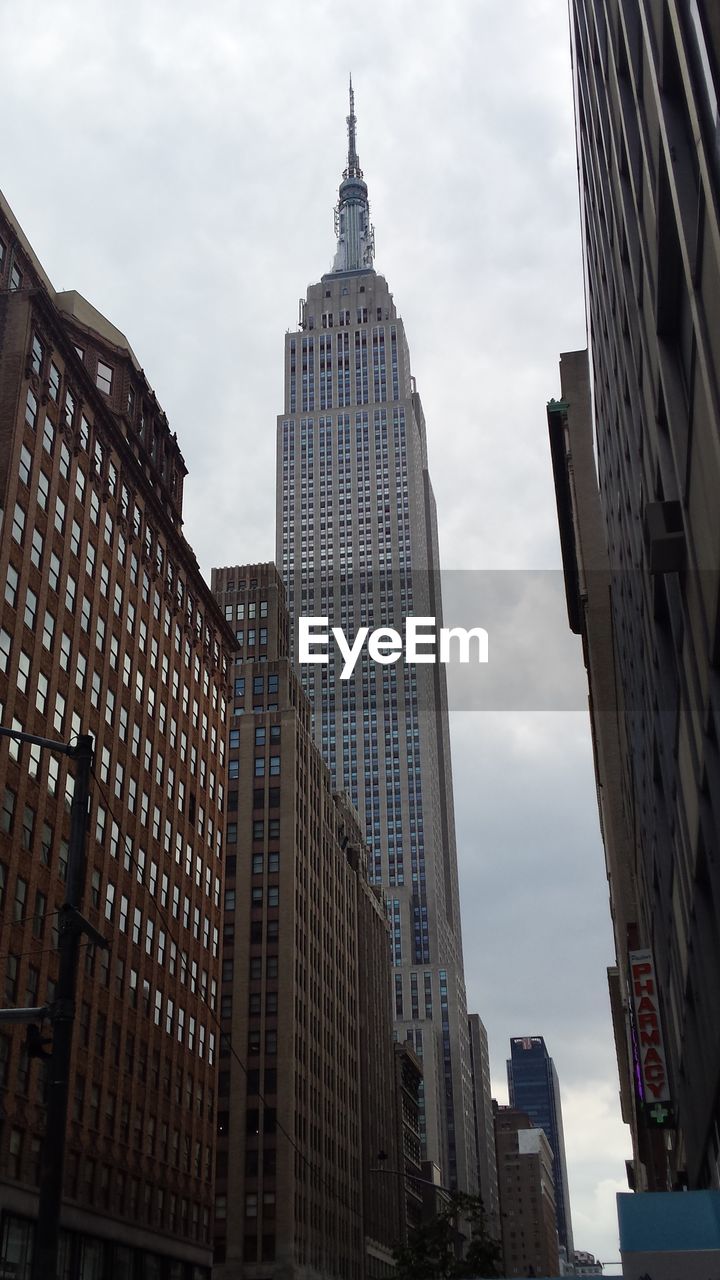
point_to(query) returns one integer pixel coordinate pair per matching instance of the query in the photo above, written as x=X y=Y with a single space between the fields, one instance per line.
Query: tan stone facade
x=527 y=1196
x=106 y=628
x=306 y=1072
x=357 y=542
x=484 y=1123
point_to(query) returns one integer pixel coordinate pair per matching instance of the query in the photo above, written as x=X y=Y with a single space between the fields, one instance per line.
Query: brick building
x=106 y=628
x=306 y=1088
x=527 y=1196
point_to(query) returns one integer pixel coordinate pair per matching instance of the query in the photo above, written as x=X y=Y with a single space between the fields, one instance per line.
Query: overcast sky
x=177 y=163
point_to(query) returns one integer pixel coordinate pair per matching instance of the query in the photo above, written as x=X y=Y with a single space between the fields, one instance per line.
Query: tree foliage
x=455 y=1243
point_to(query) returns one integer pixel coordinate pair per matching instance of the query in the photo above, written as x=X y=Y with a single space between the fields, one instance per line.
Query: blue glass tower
x=534 y=1089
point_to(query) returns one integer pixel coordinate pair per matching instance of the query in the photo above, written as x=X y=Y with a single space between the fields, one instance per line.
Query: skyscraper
x=534 y=1088
x=357 y=544
x=106 y=629
x=306 y=1100
x=647 y=87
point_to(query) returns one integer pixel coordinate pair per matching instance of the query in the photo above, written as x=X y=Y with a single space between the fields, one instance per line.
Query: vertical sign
x=649 y=1039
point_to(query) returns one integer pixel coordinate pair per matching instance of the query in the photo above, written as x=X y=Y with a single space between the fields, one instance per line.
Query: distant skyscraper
x=534 y=1089
x=484 y=1124
x=647 y=88
x=357 y=542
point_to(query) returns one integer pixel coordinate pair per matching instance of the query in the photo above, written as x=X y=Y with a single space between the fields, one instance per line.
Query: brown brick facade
x=107 y=628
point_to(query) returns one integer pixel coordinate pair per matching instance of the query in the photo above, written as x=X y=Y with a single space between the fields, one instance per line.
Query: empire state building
x=357 y=543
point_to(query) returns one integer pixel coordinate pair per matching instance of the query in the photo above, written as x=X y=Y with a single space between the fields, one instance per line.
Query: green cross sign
x=659 y=1113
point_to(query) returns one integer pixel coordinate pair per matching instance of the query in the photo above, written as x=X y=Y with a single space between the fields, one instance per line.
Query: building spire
x=355 y=236
x=353 y=165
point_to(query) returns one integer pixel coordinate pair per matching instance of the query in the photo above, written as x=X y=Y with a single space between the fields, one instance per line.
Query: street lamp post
x=62 y=1010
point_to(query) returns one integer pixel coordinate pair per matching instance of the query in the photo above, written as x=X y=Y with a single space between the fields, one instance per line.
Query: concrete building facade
x=357 y=544
x=484 y=1122
x=589 y=600
x=647 y=85
x=306 y=1088
x=527 y=1196
x=408 y=1083
x=107 y=629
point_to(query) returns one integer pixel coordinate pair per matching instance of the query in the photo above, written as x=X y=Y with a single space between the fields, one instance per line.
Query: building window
x=5 y=646
x=16 y=1135
x=18 y=524
x=49 y=437
x=104 y=377
x=11 y=585
x=20 y=899
x=31 y=409
x=23 y=672
x=28 y=827
x=30 y=608
x=11 y=979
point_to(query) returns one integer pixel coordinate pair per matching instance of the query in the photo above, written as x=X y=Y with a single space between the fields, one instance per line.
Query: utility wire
x=21 y=955
x=30 y=915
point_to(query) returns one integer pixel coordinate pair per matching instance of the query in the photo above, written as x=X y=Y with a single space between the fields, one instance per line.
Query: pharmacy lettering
x=649 y=1045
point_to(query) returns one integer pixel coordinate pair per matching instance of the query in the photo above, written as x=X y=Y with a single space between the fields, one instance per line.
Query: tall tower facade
x=107 y=628
x=647 y=86
x=307 y=1073
x=534 y=1088
x=357 y=544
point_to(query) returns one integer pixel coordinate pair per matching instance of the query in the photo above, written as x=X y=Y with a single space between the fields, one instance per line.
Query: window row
x=238 y=613
x=104 y=467
x=273 y=829
x=258 y=896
